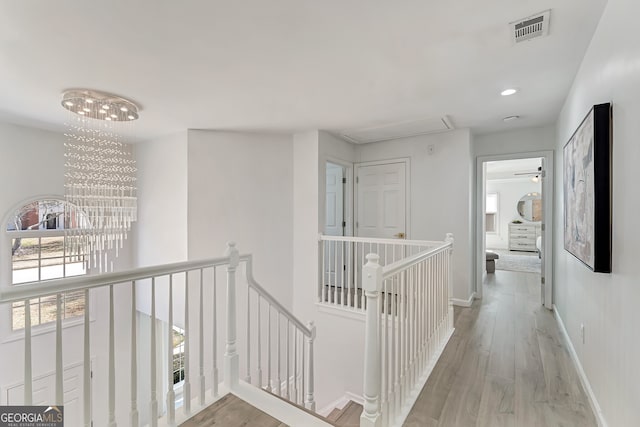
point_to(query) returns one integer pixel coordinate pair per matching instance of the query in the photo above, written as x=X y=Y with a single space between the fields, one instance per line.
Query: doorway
x=514 y=217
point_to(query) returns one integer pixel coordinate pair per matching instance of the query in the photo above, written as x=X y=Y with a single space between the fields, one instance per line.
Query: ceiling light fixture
x=100 y=173
x=125 y=110
x=508 y=92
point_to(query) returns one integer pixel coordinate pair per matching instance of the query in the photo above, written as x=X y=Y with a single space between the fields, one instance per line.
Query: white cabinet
x=522 y=237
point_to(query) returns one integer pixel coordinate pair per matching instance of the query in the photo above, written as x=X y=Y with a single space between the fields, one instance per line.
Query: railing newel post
x=231 y=359
x=449 y=239
x=372 y=285
x=309 y=401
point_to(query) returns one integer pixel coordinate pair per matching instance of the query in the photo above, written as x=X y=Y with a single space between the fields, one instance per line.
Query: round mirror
x=530 y=207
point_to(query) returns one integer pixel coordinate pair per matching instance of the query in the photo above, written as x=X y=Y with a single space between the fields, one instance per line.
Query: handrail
x=269 y=298
x=403 y=264
x=24 y=291
x=406 y=242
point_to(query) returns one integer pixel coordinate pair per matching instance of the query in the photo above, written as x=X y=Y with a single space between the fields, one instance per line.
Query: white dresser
x=522 y=237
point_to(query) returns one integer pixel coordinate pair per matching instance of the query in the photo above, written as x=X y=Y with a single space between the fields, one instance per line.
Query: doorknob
x=399 y=235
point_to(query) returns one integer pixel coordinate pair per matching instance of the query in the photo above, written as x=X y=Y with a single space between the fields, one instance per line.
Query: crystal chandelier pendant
x=100 y=173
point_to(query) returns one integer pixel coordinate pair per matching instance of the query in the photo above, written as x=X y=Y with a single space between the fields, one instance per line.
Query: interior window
x=40 y=251
x=491 y=213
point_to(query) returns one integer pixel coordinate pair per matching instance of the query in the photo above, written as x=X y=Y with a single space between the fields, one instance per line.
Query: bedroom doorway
x=514 y=217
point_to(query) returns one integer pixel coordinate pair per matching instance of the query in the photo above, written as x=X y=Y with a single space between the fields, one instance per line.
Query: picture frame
x=587 y=190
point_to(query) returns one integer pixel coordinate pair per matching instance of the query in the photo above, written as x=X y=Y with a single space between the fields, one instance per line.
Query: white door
x=334 y=224
x=381 y=200
x=334 y=204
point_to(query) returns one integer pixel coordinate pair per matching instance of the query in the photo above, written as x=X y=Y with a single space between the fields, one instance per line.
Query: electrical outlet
x=431 y=148
x=582 y=332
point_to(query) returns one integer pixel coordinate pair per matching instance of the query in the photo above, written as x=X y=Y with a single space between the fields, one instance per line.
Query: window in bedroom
x=40 y=251
x=491 y=213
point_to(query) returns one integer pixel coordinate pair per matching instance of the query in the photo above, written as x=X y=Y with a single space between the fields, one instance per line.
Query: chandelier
x=100 y=173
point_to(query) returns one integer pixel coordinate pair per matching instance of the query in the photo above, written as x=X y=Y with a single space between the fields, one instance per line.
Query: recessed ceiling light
x=510 y=118
x=508 y=92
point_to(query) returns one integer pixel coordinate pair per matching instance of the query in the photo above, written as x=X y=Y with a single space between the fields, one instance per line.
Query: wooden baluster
x=356 y=276
x=342 y=271
x=362 y=299
x=269 y=381
x=449 y=238
x=335 y=273
x=214 y=374
x=259 y=363
x=28 y=373
x=372 y=284
x=349 y=272
x=171 y=395
x=393 y=383
x=231 y=365
x=59 y=370
x=112 y=363
x=153 y=371
x=287 y=378
x=134 y=417
x=248 y=376
x=201 y=382
x=279 y=385
x=309 y=401
x=86 y=389
x=294 y=391
x=323 y=272
x=186 y=387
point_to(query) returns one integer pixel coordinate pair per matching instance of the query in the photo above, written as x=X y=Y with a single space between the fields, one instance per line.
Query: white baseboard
x=595 y=406
x=464 y=302
x=341 y=403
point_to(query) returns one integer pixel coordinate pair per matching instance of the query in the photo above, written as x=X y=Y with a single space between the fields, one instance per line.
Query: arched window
x=41 y=250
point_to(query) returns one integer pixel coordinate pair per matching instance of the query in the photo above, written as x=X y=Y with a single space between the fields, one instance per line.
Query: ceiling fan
x=536 y=174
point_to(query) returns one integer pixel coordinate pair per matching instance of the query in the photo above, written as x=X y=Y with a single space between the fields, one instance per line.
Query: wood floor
x=231 y=411
x=506 y=365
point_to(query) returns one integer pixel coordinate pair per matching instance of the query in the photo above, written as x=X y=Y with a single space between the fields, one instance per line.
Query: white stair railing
x=298 y=359
x=341 y=261
x=289 y=356
x=409 y=319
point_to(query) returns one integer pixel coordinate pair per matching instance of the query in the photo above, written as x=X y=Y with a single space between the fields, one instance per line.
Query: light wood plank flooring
x=231 y=411
x=506 y=365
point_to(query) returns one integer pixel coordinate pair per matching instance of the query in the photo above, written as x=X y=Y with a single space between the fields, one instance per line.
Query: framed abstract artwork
x=587 y=190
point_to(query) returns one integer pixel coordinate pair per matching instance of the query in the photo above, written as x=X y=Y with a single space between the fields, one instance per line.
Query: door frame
x=407 y=189
x=547 y=200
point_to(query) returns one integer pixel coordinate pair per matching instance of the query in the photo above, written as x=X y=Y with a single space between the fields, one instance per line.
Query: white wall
x=160 y=235
x=509 y=193
x=33 y=165
x=515 y=141
x=440 y=192
x=607 y=304
x=161 y=231
x=241 y=189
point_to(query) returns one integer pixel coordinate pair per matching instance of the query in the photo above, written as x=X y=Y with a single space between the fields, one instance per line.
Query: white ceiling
x=291 y=65
x=507 y=169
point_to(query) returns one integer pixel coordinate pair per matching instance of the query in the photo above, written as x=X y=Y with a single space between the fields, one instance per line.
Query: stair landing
x=232 y=411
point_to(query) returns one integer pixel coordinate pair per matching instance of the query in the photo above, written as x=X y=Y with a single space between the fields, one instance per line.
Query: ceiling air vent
x=531 y=28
